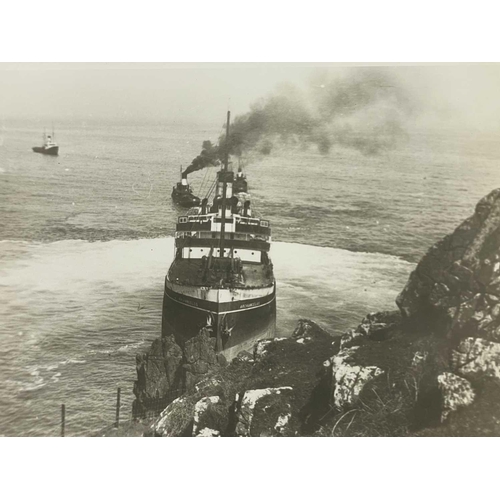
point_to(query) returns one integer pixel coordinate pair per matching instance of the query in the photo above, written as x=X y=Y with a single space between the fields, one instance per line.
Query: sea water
x=86 y=240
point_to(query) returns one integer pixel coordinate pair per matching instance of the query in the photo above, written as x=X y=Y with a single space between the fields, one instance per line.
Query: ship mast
x=225 y=169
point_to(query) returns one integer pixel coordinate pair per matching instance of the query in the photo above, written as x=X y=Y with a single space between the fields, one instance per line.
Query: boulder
x=307 y=330
x=456 y=285
x=349 y=337
x=456 y=392
x=349 y=378
x=210 y=417
x=263 y=412
x=476 y=358
x=176 y=419
x=260 y=349
x=380 y=325
x=206 y=432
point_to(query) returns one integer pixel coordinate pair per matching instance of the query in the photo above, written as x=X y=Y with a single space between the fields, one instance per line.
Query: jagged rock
x=476 y=358
x=379 y=325
x=307 y=329
x=176 y=419
x=376 y=326
x=200 y=357
x=457 y=283
x=209 y=414
x=282 y=426
x=166 y=371
x=244 y=357
x=348 y=378
x=206 y=432
x=347 y=338
x=263 y=412
x=260 y=348
x=456 y=392
x=159 y=375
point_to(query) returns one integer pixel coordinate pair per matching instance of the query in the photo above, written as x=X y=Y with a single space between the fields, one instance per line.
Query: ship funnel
x=184 y=181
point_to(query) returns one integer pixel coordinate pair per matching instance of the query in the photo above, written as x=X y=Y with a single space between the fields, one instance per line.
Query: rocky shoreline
x=429 y=368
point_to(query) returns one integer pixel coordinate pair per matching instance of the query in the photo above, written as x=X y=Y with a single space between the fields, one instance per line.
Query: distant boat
x=49 y=146
x=182 y=194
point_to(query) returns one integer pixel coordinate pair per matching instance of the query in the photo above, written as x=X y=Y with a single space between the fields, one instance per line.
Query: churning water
x=86 y=239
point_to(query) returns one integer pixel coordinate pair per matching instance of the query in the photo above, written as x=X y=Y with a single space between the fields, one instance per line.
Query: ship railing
x=210 y=235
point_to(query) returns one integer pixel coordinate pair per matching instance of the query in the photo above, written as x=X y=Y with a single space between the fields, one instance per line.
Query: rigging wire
x=203 y=182
x=207 y=169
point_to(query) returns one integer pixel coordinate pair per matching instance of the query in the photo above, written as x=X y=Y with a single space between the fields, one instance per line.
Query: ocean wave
x=36 y=384
x=53 y=367
x=130 y=347
x=73 y=362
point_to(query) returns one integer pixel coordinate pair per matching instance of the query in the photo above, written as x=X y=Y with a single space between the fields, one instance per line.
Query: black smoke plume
x=366 y=109
x=208 y=156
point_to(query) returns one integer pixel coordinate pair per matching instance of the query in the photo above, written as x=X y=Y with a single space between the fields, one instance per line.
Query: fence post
x=117 y=407
x=63 y=418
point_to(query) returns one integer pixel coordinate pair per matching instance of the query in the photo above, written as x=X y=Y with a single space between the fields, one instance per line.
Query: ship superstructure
x=221 y=277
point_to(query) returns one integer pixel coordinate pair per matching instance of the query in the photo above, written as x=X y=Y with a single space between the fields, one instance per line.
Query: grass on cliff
x=480 y=419
x=137 y=428
x=403 y=399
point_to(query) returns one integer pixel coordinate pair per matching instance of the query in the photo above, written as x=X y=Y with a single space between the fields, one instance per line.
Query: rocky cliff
x=430 y=368
x=167 y=371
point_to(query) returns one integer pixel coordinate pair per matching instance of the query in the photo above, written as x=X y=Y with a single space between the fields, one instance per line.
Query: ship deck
x=189 y=272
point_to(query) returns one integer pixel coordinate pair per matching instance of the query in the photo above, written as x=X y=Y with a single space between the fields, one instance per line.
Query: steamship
x=222 y=277
x=49 y=146
x=182 y=194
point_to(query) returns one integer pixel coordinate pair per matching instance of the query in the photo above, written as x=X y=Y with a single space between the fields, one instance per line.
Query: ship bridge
x=245 y=237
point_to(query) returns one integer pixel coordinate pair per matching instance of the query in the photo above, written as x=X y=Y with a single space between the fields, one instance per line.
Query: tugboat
x=49 y=146
x=182 y=194
x=222 y=277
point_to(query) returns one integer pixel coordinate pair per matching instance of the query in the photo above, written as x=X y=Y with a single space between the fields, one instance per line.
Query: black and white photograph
x=249 y=249
x=249 y=220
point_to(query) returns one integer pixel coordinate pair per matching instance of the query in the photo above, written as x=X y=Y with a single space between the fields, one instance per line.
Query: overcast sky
x=450 y=95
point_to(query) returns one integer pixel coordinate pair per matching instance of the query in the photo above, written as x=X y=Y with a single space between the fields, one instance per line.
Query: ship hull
x=186 y=200
x=53 y=151
x=236 y=325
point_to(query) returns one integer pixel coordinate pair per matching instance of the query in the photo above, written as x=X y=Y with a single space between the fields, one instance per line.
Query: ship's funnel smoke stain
x=366 y=109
